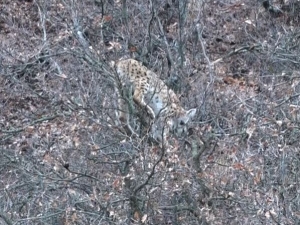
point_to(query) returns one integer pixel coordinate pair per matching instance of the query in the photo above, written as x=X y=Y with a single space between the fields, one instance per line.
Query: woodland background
x=64 y=161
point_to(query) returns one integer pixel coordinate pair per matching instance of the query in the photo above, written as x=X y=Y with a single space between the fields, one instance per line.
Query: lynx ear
x=191 y=113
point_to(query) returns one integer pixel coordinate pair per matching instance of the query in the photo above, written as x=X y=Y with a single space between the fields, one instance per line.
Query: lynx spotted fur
x=150 y=92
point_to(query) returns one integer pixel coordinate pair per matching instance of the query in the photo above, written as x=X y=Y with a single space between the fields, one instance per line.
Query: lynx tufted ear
x=191 y=113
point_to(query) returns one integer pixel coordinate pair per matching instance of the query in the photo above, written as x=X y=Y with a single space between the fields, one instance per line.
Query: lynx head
x=178 y=124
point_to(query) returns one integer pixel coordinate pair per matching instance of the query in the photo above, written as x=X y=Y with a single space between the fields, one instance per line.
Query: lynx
x=150 y=92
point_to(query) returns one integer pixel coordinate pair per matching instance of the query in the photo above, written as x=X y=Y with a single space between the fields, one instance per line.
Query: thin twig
x=32 y=123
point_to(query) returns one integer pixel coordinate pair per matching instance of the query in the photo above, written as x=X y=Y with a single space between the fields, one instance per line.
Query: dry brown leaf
x=107 y=18
x=230 y=80
x=137 y=215
x=106 y=196
x=210 y=158
x=116 y=183
x=74 y=217
x=239 y=166
x=257 y=177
